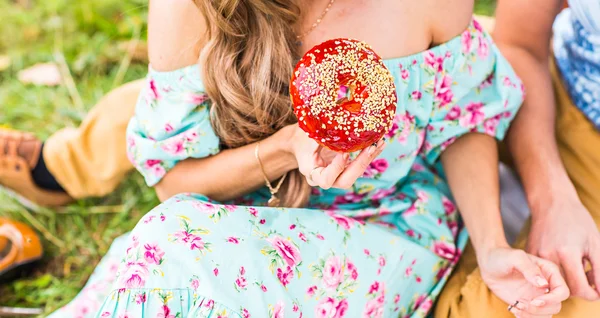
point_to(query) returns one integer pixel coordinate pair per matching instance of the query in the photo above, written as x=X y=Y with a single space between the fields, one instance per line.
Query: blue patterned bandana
x=577 y=53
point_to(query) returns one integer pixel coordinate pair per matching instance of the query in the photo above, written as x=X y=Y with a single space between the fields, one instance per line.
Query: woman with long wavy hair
x=273 y=225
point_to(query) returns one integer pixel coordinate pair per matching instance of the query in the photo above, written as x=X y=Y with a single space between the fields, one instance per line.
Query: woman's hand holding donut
x=326 y=168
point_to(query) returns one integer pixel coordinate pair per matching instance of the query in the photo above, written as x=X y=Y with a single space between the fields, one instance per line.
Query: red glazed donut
x=343 y=95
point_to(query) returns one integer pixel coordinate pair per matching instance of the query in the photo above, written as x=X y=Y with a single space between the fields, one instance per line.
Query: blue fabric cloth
x=577 y=53
x=384 y=248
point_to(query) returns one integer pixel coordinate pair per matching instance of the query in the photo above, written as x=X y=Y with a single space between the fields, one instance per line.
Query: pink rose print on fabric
x=168 y=127
x=352 y=269
x=241 y=283
x=195 y=283
x=134 y=275
x=155 y=166
x=449 y=207
x=153 y=254
x=277 y=311
x=392 y=130
x=383 y=193
x=350 y=197
x=325 y=308
x=436 y=63
x=140 y=298
x=152 y=94
x=233 y=240
x=473 y=115
x=193 y=241
x=191 y=136
x=453 y=226
x=166 y=313
x=311 y=291
x=245 y=313
x=488 y=81
x=484 y=48
x=454 y=113
x=151 y=163
x=341 y=308
x=375 y=306
x=131 y=149
x=158 y=171
x=196 y=98
x=288 y=252
x=423 y=303
x=444 y=250
x=332 y=272
x=466 y=40
x=443 y=90
x=302 y=237
x=285 y=275
x=376 y=167
x=490 y=125
x=174 y=146
x=404 y=74
x=416 y=95
x=343 y=221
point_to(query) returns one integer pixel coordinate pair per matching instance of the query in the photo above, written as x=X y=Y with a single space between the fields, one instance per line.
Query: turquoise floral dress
x=385 y=248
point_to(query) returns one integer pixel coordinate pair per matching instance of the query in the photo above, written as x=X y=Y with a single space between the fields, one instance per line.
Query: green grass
x=87 y=34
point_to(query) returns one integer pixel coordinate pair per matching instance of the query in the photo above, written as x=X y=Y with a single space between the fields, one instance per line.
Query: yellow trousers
x=91 y=161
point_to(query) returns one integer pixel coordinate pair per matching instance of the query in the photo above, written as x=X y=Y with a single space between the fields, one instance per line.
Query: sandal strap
x=12 y=234
x=16 y=238
x=11 y=140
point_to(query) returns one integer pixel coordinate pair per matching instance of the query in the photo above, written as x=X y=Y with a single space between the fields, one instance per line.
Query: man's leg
x=76 y=162
x=91 y=160
x=465 y=294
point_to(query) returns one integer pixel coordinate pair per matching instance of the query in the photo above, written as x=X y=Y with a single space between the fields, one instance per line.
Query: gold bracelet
x=274 y=200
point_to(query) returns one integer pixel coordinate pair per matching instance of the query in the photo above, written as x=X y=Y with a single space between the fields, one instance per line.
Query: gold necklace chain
x=316 y=24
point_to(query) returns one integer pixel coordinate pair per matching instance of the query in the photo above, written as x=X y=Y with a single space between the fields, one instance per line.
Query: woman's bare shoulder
x=176 y=34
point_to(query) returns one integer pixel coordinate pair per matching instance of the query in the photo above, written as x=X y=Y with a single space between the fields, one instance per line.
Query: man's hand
x=566 y=234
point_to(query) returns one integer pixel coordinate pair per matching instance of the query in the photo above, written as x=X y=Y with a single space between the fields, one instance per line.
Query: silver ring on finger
x=510 y=307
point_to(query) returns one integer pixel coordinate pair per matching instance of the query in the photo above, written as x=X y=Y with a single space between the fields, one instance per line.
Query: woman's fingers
x=525 y=309
x=324 y=177
x=530 y=270
x=557 y=290
x=358 y=166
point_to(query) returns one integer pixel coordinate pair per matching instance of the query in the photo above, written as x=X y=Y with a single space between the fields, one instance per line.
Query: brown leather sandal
x=15 y=170
x=20 y=250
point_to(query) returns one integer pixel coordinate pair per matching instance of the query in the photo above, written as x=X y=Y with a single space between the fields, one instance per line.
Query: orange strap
x=14 y=236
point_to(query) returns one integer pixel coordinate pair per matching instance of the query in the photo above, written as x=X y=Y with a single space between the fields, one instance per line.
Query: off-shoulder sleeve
x=171 y=123
x=486 y=105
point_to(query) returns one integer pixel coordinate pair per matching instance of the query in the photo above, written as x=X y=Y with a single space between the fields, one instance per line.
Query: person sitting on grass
x=373 y=242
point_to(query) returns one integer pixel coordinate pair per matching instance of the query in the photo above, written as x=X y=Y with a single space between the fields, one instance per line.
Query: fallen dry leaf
x=46 y=74
x=4 y=62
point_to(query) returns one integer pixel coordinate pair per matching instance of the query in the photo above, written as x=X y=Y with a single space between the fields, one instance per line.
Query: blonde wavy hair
x=247 y=65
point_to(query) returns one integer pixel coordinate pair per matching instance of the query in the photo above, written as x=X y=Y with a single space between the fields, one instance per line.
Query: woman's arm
x=471 y=166
x=231 y=173
x=176 y=35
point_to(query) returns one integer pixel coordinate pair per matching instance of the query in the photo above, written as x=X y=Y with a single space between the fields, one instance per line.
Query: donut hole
x=345 y=97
